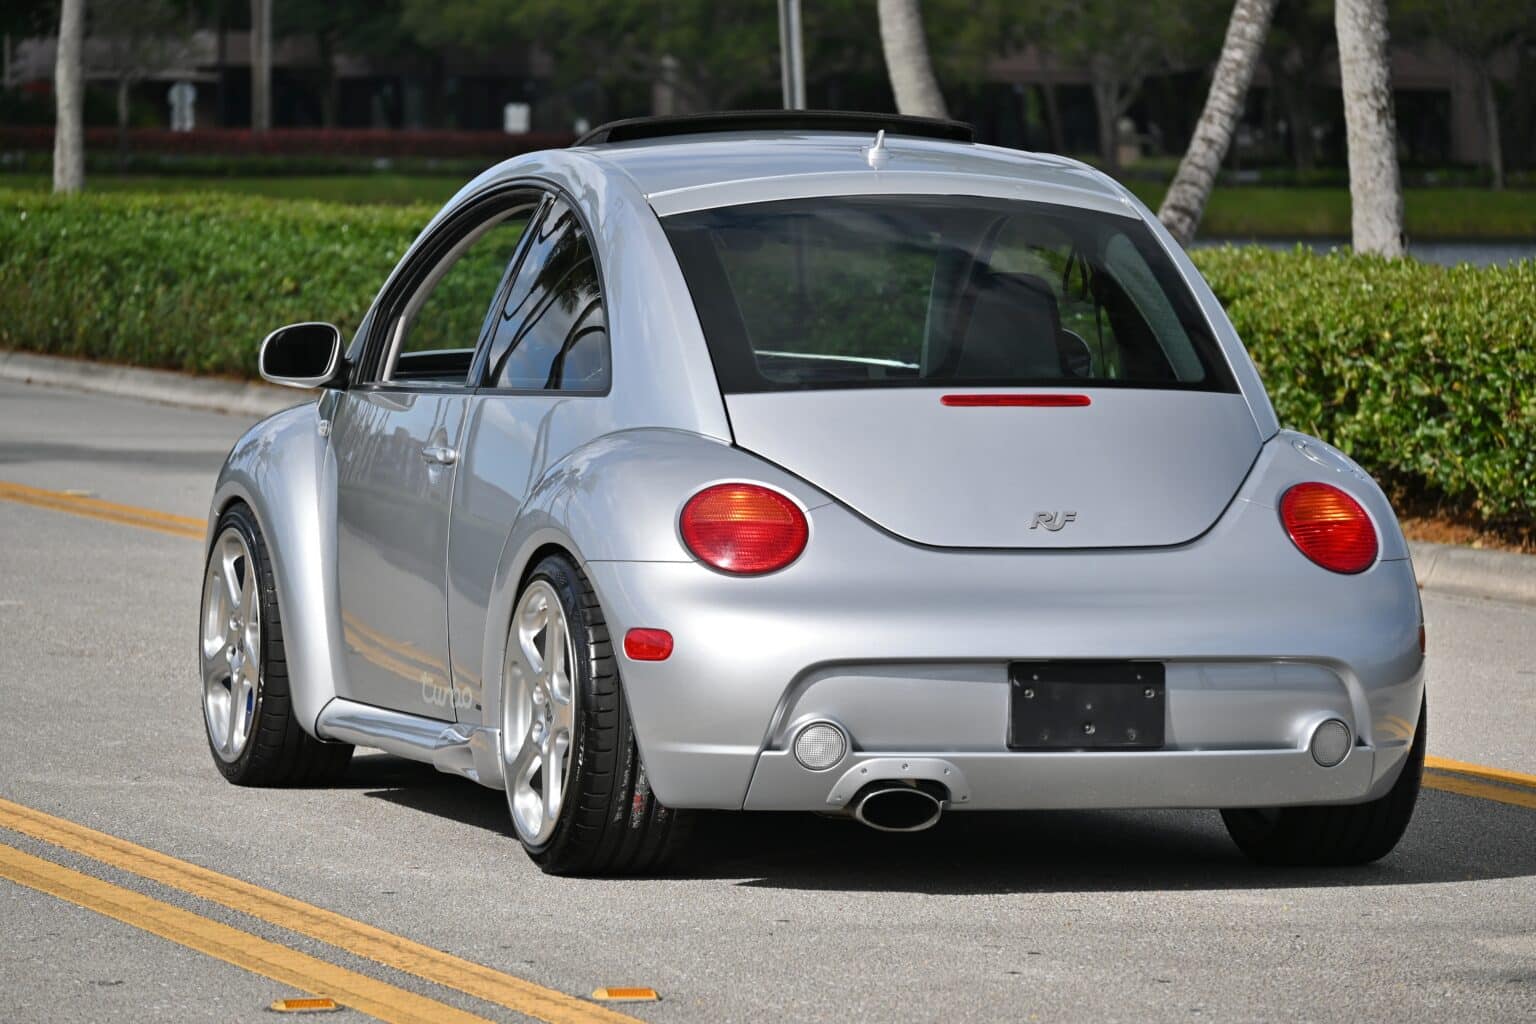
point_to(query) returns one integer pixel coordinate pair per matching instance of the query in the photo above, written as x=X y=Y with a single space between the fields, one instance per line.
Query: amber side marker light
x=1015 y=401
x=311 y=1005
x=648 y=645
x=626 y=995
x=1329 y=527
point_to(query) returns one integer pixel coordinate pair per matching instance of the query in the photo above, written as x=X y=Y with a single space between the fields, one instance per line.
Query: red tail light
x=745 y=529
x=1329 y=527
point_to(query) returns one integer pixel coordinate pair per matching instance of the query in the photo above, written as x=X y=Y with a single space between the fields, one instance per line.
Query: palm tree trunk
x=907 y=61
x=1185 y=202
x=1375 y=186
x=1491 y=120
x=69 y=92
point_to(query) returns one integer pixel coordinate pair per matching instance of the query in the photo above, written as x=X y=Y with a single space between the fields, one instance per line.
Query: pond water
x=1446 y=254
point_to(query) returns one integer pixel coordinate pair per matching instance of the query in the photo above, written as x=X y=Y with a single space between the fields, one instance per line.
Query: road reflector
x=309 y=1005
x=626 y=995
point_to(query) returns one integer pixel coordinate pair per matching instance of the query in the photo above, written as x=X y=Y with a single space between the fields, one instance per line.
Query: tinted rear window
x=930 y=291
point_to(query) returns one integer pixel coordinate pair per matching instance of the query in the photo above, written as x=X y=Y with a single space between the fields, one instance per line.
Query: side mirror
x=301 y=355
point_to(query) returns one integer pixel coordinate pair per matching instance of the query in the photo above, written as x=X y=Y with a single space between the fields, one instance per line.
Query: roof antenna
x=878 y=155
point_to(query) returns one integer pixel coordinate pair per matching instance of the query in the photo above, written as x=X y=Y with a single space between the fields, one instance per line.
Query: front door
x=395 y=469
x=396 y=438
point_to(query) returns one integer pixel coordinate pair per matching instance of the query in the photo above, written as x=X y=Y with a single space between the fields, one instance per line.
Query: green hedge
x=189 y=282
x=1424 y=374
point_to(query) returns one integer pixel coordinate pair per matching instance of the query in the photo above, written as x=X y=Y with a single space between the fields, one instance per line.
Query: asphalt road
x=1060 y=916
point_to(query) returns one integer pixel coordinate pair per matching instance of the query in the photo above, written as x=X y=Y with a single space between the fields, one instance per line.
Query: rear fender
x=615 y=499
x=1290 y=458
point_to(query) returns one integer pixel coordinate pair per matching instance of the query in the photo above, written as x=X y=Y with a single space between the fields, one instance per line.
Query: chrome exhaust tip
x=897 y=808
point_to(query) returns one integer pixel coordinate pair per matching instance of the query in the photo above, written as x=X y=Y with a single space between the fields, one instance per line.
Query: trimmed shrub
x=1425 y=374
x=188 y=282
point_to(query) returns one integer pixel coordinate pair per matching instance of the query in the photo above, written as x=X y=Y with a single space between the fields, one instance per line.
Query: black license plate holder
x=1086 y=705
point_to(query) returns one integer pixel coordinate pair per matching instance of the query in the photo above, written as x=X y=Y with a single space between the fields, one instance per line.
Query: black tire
x=279 y=752
x=1333 y=836
x=610 y=822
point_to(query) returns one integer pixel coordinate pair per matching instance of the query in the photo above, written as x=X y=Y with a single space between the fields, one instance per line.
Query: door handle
x=440 y=454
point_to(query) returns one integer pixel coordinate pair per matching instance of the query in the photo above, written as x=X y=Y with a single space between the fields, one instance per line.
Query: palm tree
x=69 y=91
x=907 y=61
x=1375 y=187
x=1191 y=189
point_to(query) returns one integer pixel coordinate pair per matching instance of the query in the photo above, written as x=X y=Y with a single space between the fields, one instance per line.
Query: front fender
x=284 y=470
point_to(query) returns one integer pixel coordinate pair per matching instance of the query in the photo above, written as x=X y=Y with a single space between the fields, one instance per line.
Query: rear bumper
x=908 y=650
x=991 y=781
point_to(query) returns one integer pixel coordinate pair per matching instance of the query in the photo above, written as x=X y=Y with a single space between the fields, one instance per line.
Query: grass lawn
x=1238 y=212
x=1432 y=213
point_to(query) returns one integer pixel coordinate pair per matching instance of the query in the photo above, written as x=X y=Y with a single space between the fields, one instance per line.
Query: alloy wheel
x=538 y=712
x=231 y=644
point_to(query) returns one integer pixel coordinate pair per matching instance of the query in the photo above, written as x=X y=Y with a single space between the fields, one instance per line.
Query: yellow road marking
x=376 y=998
x=1483 y=790
x=95 y=508
x=363 y=940
x=1481 y=771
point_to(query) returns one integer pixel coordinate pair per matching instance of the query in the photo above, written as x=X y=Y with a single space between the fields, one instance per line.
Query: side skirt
x=456 y=748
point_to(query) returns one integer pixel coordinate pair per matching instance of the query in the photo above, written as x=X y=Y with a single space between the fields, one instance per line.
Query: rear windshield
x=892 y=291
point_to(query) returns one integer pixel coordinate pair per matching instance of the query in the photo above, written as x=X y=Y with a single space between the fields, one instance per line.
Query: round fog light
x=1330 y=742
x=820 y=745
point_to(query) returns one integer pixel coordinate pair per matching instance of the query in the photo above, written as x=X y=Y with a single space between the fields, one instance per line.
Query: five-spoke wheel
x=539 y=713
x=580 y=798
x=254 y=735
x=231 y=644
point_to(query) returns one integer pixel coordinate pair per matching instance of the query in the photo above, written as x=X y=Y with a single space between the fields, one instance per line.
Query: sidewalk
x=212 y=394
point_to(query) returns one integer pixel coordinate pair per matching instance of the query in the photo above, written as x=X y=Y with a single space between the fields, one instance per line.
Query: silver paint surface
x=895 y=622
x=1138 y=467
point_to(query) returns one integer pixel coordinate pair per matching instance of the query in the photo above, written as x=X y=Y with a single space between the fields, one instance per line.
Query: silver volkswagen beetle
x=809 y=462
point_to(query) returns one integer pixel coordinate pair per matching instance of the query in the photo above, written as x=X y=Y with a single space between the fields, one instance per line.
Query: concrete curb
x=1446 y=568
x=1453 y=569
x=212 y=394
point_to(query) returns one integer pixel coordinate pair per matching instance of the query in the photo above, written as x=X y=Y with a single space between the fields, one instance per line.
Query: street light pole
x=261 y=65
x=791 y=55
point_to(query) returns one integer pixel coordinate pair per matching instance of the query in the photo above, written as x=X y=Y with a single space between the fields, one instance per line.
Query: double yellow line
x=376 y=998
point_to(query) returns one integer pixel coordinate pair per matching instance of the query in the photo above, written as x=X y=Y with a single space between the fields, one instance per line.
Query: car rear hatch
x=971 y=372
x=1132 y=468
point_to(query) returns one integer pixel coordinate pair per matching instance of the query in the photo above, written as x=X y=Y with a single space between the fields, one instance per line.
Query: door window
x=551 y=333
x=435 y=335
